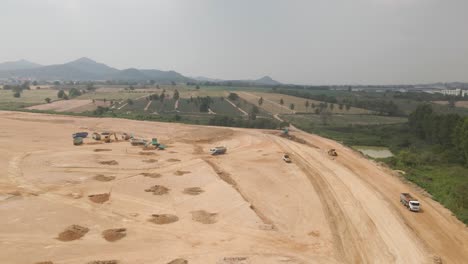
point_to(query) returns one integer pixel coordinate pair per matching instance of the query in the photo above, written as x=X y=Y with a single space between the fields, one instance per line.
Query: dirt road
x=246 y=206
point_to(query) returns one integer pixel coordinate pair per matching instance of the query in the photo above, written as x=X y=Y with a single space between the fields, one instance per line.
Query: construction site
x=77 y=190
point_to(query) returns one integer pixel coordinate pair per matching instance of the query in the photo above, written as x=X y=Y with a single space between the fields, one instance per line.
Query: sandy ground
x=457 y=103
x=73 y=106
x=246 y=206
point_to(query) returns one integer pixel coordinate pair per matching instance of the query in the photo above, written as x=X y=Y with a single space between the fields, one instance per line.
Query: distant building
x=454 y=92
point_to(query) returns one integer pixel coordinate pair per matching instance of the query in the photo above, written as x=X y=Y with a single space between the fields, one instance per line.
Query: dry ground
x=252 y=207
x=73 y=106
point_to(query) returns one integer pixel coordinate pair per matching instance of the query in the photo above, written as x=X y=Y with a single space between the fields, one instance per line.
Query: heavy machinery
x=77 y=141
x=80 y=134
x=155 y=144
x=96 y=136
x=332 y=152
x=218 y=150
x=107 y=137
x=126 y=136
x=411 y=203
x=286 y=158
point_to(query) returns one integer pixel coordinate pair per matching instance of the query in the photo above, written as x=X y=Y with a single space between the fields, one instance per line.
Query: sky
x=294 y=41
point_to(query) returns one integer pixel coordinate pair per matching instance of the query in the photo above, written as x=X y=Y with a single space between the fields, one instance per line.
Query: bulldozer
x=332 y=152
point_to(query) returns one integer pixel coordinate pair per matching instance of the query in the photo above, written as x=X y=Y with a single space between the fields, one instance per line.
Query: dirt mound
x=104 y=262
x=173 y=160
x=293 y=138
x=157 y=190
x=145 y=153
x=150 y=161
x=109 y=162
x=204 y=217
x=193 y=191
x=163 y=219
x=73 y=232
x=104 y=178
x=180 y=173
x=44 y=262
x=99 y=198
x=151 y=175
x=178 y=261
x=102 y=150
x=112 y=235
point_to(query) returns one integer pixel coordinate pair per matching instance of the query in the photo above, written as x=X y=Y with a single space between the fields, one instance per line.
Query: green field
x=28 y=98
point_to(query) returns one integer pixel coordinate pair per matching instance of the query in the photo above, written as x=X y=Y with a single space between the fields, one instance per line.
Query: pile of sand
x=109 y=162
x=104 y=262
x=73 y=232
x=178 y=261
x=112 y=235
x=151 y=175
x=101 y=150
x=204 y=217
x=173 y=160
x=193 y=191
x=157 y=190
x=150 y=160
x=99 y=198
x=163 y=219
x=103 y=178
x=180 y=173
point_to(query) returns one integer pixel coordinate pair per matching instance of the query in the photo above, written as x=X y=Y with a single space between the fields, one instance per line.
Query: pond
x=375 y=152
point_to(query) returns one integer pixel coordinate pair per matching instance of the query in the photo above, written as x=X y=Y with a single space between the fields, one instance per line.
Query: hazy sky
x=295 y=41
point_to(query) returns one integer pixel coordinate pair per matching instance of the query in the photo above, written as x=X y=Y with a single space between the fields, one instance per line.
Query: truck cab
x=414 y=206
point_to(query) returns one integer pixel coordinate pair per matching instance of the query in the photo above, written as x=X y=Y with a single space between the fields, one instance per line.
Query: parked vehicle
x=218 y=150
x=411 y=203
x=77 y=141
x=80 y=134
x=286 y=158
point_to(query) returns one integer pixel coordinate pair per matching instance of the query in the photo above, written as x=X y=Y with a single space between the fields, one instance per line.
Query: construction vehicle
x=155 y=144
x=107 y=137
x=77 y=141
x=286 y=158
x=96 y=136
x=218 y=150
x=411 y=203
x=138 y=142
x=332 y=152
x=80 y=134
x=126 y=136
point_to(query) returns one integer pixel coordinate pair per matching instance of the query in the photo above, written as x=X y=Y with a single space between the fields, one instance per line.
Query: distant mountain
x=206 y=79
x=266 y=80
x=85 y=69
x=18 y=65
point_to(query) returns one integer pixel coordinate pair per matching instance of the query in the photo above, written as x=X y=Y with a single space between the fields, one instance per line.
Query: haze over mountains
x=85 y=69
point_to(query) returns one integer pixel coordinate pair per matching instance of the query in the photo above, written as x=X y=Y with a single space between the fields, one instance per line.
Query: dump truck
x=218 y=150
x=286 y=158
x=80 y=134
x=411 y=203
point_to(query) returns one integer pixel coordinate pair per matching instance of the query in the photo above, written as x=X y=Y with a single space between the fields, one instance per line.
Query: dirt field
x=249 y=206
x=463 y=104
x=73 y=106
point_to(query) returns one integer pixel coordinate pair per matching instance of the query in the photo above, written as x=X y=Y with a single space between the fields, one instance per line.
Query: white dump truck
x=218 y=150
x=411 y=203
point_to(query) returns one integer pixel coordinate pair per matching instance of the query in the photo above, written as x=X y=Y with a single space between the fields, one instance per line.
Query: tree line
x=447 y=130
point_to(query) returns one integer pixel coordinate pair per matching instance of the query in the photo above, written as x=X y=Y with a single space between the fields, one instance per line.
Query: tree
x=291 y=106
x=34 y=83
x=152 y=82
x=332 y=106
x=197 y=87
x=233 y=96
x=47 y=100
x=131 y=88
x=90 y=87
x=65 y=97
x=176 y=95
x=340 y=106
x=260 y=101
x=307 y=105
x=253 y=113
x=129 y=101
x=173 y=83
x=60 y=94
x=74 y=92
x=17 y=94
x=281 y=101
x=57 y=83
x=325 y=116
x=347 y=106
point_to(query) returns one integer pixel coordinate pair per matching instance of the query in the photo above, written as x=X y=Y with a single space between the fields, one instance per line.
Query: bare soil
x=204 y=217
x=151 y=174
x=157 y=190
x=99 y=198
x=104 y=178
x=73 y=232
x=113 y=235
x=178 y=261
x=145 y=153
x=102 y=150
x=104 y=262
x=193 y=191
x=163 y=219
x=173 y=160
x=180 y=173
x=109 y=162
x=150 y=161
